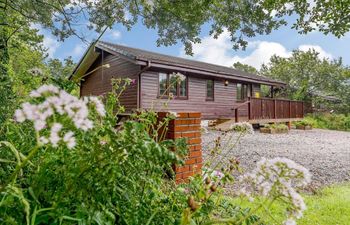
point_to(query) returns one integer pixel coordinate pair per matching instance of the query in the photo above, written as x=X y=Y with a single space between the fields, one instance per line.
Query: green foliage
x=180 y=21
x=309 y=78
x=305 y=122
x=245 y=68
x=277 y=126
x=111 y=176
x=330 y=121
x=329 y=205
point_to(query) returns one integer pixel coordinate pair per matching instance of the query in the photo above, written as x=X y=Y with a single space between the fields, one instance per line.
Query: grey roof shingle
x=140 y=54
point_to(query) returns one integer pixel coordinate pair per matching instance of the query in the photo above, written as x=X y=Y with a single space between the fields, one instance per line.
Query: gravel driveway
x=325 y=153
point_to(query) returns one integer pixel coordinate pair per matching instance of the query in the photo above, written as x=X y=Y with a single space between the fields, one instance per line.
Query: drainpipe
x=139 y=83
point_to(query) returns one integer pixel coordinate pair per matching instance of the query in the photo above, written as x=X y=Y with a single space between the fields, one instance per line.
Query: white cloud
x=322 y=53
x=262 y=54
x=219 y=51
x=78 y=50
x=112 y=35
x=49 y=42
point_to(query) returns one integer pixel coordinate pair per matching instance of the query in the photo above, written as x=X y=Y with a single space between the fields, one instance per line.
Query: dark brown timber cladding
x=99 y=82
x=221 y=107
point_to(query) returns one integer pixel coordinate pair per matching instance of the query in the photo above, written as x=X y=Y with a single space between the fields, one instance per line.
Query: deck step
x=225 y=126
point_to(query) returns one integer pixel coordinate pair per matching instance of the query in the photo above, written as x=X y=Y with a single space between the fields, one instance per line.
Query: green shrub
x=305 y=122
x=330 y=121
x=277 y=126
x=65 y=162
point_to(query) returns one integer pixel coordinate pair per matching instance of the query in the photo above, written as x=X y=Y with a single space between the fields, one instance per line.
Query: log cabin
x=218 y=92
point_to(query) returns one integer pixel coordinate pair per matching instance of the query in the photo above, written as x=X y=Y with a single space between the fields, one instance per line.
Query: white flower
x=174 y=114
x=19 y=116
x=54 y=135
x=179 y=77
x=278 y=177
x=35 y=71
x=290 y=222
x=44 y=89
x=243 y=127
x=43 y=140
x=60 y=103
x=69 y=139
x=98 y=105
x=39 y=125
x=217 y=174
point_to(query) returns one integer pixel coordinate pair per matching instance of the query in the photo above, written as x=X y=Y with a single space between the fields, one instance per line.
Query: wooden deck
x=269 y=110
x=266 y=110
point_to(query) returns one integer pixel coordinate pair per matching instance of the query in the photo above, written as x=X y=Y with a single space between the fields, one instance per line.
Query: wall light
x=226 y=82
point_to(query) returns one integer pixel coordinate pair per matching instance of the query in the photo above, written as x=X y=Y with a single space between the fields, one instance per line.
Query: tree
x=60 y=72
x=245 y=68
x=182 y=20
x=309 y=77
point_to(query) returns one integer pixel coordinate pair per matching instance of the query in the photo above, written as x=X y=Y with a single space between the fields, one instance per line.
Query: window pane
x=245 y=91
x=239 y=92
x=173 y=84
x=210 y=89
x=183 y=88
x=249 y=90
x=162 y=83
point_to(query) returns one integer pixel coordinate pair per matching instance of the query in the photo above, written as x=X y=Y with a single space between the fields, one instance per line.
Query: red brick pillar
x=187 y=125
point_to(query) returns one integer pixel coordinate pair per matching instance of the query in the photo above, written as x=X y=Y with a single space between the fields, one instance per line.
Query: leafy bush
x=277 y=126
x=330 y=121
x=65 y=162
x=305 y=122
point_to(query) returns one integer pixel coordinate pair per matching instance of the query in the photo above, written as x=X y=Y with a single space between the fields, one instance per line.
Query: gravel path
x=325 y=153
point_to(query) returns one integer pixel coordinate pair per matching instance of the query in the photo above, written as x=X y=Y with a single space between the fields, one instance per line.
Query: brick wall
x=187 y=125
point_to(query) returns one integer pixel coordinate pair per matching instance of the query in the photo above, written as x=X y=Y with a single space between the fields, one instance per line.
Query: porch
x=269 y=110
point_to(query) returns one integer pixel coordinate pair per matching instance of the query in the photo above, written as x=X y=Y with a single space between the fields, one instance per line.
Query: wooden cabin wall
x=99 y=82
x=221 y=107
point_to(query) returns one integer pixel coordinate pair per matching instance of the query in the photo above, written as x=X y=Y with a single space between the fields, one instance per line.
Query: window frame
x=206 y=90
x=166 y=95
x=244 y=95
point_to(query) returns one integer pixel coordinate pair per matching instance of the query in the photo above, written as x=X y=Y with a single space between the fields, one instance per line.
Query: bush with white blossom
x=275 y=179
x=50 y=103
x=117 y=175
x=243 y=127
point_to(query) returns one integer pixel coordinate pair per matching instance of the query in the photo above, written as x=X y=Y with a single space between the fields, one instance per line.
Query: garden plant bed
x=303 y=127
x=266 y=130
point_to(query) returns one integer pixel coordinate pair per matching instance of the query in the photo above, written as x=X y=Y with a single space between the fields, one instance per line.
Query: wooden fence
x=272 y=109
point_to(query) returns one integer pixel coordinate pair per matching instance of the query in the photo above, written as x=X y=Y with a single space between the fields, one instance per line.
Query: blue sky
x=217 y=51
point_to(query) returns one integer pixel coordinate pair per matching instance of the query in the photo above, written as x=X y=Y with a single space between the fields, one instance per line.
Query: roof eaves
x=104 y=46
x=83 y=60
x=213 y=72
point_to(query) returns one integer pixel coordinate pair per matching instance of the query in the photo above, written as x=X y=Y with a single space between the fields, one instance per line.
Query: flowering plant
x=80 y=168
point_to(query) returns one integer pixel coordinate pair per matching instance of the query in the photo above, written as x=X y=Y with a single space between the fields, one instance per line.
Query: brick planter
x=272 y=131
x=303 y=127
x=187 y=125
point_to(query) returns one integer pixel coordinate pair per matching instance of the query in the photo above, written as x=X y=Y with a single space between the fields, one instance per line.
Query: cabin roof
x=140 y=56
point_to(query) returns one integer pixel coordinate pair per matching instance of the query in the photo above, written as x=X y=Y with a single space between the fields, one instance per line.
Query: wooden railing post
x=249 y=109
x=302 y=109
x=274 y=109
x=236 y=115
x=290 y=109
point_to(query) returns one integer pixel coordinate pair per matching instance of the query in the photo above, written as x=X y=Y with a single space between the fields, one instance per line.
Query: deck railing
x=270 y=108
